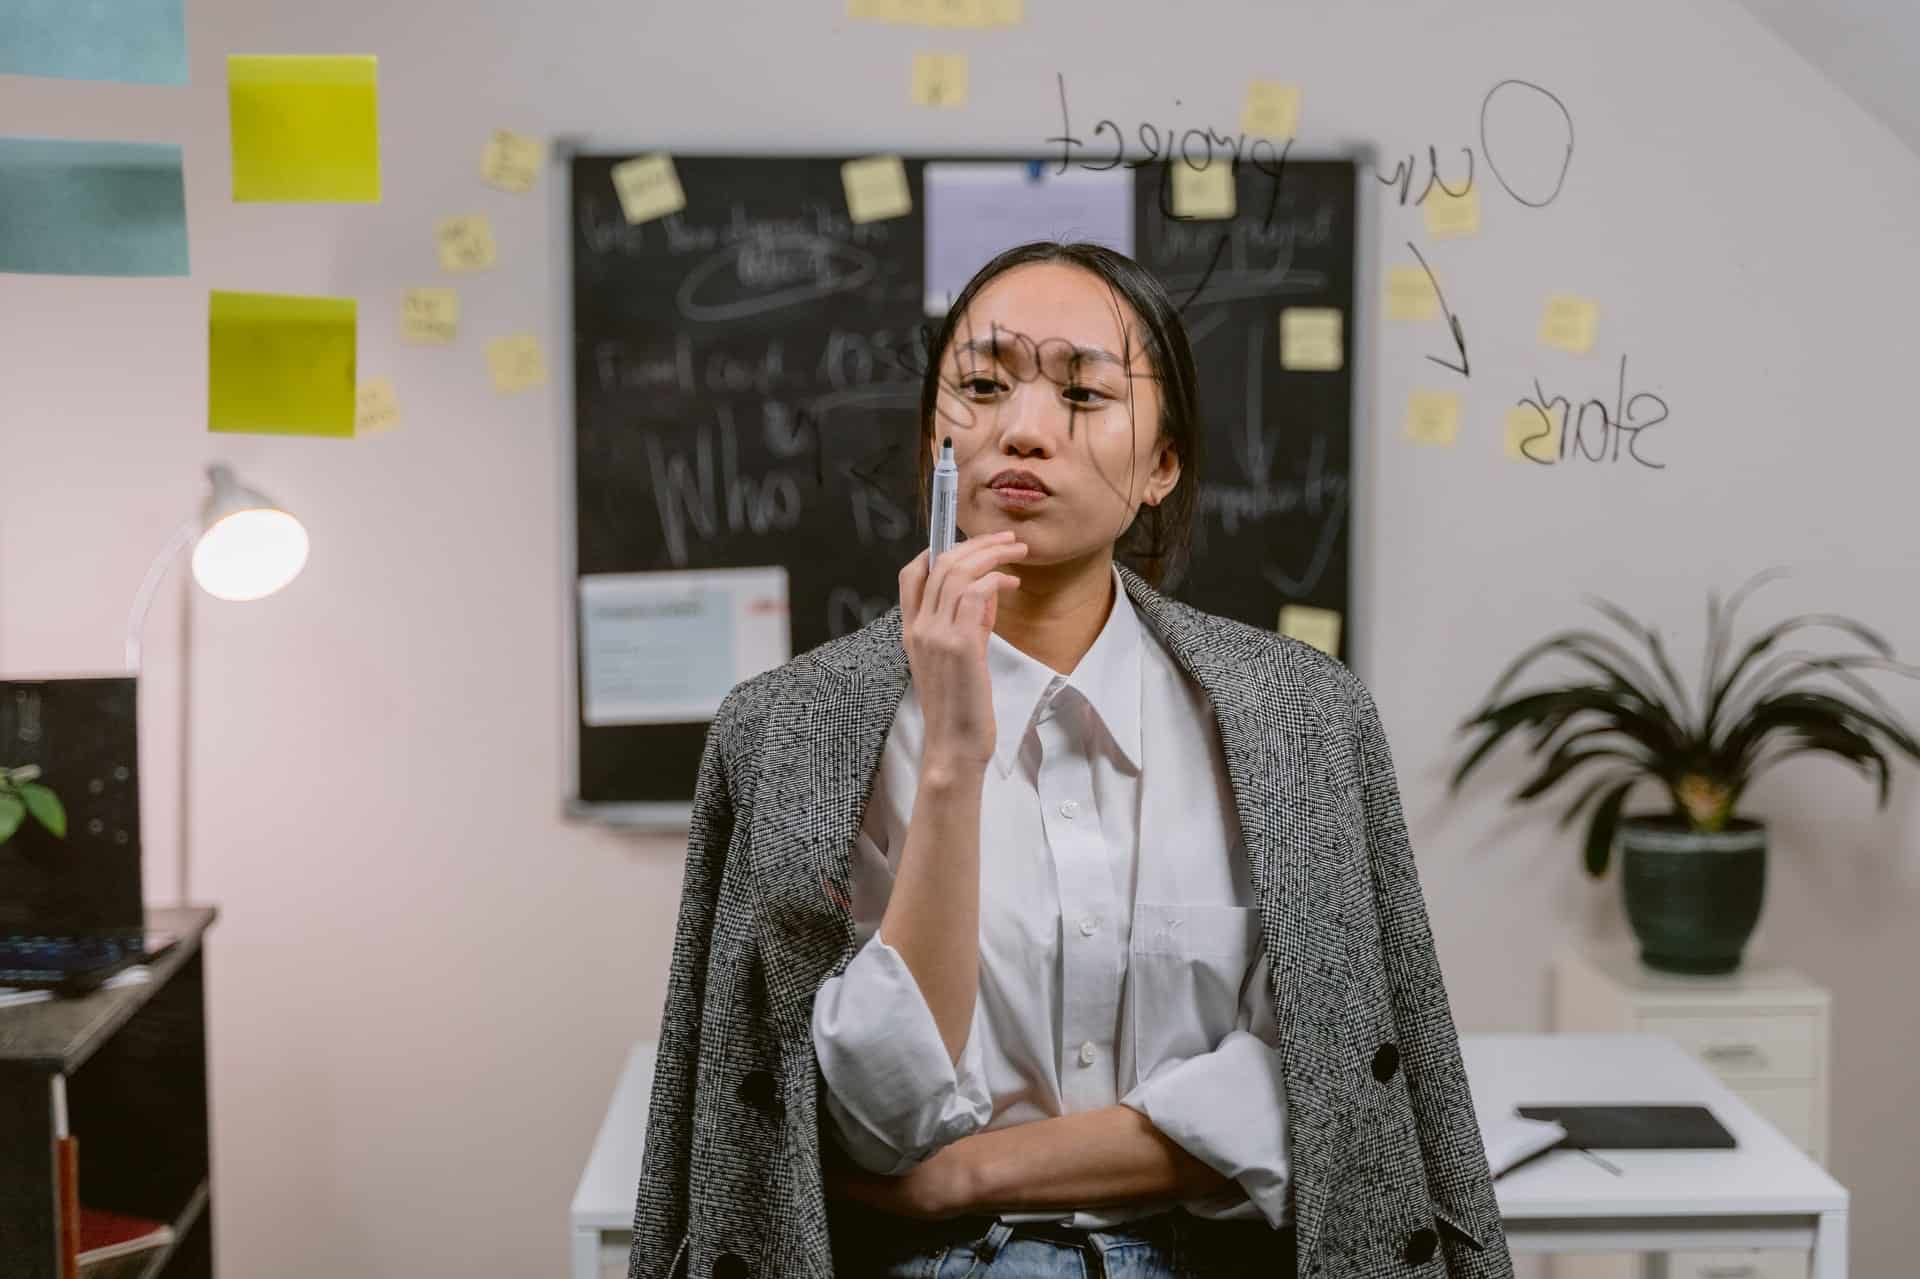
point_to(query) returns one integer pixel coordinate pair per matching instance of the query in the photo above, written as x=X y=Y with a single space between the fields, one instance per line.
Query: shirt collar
x=1108 y=676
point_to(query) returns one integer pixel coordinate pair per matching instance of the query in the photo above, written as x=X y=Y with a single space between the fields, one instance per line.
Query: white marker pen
x=946 y=493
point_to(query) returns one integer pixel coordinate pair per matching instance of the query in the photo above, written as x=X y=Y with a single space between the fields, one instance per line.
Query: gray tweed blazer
x=1389 y=1175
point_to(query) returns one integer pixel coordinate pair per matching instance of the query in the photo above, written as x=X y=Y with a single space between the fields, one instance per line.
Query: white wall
x=376 y=782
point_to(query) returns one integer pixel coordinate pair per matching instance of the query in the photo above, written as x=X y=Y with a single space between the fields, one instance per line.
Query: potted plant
x=1692 y=877
x=21 y=794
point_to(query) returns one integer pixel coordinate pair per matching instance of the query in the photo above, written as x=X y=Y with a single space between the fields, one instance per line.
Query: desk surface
x=1764 y=1173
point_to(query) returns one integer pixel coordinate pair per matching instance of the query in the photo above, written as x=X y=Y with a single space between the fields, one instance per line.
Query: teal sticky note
x=91 y=208
x=137 y=41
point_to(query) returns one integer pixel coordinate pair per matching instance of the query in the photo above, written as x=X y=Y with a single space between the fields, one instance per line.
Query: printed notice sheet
x=665 y=648
x=977 y=208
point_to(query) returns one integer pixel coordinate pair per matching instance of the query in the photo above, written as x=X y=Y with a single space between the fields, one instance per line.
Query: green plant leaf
x=1772 y=635
x=1651 y=638
x=1773 y=683
x=13 y=811
x=1600 y=832
x=45 y=807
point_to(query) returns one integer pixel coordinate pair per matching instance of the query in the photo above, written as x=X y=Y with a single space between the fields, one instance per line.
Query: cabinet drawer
x=1749 y=1047
x=1769 y=1264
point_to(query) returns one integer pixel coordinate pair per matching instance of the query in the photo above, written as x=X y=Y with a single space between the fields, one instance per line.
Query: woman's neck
x=1059 y=610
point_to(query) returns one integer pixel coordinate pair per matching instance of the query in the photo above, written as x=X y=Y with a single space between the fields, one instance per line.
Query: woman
x=1066 y=387
x=1115 y=948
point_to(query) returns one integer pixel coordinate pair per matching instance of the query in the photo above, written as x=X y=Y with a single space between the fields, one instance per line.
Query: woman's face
x=1047 y=373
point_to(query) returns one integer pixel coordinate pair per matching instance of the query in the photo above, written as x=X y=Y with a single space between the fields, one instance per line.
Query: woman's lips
x=1009 y=495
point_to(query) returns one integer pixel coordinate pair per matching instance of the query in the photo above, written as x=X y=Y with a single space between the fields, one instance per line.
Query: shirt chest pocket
x=1186 y=965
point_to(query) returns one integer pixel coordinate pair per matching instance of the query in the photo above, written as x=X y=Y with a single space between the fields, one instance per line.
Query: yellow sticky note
x=280 y=365
x=466 y=243
x=512 y=162
x=1312 y=338
x=1569 y=323
x=916 y=12
x=957 y=13
x=378 y=408
x=870 y=10
x=1433 y=417
x=516 y=363
x=940 y=79
x=1410 y=294
x=1006 y=13
x=1319 y=627
x=1203 y=193
x=648 y=187
x=1533 y=435
x=429 y=315
x=1452 y=215
x=876 y=188
x=1272 y=109
x=304 y=129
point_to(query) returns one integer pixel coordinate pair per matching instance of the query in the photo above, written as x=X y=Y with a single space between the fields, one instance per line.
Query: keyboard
x=73 y=964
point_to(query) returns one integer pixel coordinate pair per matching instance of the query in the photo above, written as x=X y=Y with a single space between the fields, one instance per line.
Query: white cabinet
x=1762 y=1029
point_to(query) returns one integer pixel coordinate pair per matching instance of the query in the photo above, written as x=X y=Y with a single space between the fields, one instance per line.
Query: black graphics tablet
x=1640 y=1127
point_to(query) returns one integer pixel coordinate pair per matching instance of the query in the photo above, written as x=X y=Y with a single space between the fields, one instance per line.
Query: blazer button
x=758 y=1090
x=729 y=1266
x=1420 y=1246
x=1385 y=1062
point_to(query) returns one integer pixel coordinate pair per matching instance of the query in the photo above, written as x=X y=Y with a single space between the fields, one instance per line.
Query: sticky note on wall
x=1202 y=193
x=516 y=363
x=940 y=79
x=1410 y=294
x=91 y=208
x=377 y=407
x=1312 y=339
x=466 y=243
x=280 y=365
x=511 y=161
x=1532 y=435
x=648 y=188
x=1451 y=216
x=1433 y=417
x=1272 y=109
x=430 y=315
x=133 y=41
x=876 y=188
x=304 y=129
x=1569 y=323
x=1319 y=627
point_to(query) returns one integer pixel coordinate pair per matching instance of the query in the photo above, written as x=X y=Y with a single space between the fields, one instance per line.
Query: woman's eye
x=980 y=387
x=1083 y=394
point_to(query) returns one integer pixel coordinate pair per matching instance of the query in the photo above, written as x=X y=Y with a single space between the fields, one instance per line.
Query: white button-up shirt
x=1120 y=955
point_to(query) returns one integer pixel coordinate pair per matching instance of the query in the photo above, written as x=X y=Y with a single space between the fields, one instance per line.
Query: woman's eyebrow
x=992 y=346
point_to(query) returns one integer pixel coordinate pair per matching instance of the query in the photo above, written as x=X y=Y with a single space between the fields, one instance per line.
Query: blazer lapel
x=816 y=772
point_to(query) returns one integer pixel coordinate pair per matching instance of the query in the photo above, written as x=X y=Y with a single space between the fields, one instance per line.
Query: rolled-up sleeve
x=893 y=1096
x=1228 y=1109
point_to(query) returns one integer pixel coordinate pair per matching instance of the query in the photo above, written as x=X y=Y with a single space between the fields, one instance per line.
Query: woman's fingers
x=975 y=609
x=951 y=582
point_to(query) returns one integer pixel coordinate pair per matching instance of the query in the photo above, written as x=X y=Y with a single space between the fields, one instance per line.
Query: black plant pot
x=1692 y=897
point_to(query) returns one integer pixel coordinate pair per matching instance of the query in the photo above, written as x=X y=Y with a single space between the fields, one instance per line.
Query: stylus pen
x=946 y=492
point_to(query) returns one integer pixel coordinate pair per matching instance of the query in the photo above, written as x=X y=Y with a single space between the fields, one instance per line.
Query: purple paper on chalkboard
x=975 y=209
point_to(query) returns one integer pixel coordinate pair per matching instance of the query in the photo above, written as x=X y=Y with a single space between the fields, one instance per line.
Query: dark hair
x=1156 y=544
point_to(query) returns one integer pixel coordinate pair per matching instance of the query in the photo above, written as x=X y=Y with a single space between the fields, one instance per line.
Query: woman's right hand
x=945 y=618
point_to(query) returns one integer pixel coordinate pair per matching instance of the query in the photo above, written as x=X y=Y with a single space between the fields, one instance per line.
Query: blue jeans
x=868 y=1244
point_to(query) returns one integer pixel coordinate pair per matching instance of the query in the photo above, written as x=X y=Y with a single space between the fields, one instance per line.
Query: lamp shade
x=249 y=547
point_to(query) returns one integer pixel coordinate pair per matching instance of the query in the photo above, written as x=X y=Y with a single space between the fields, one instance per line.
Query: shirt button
x=1087 y=924
x=1069 y=808
x=1086 y=1053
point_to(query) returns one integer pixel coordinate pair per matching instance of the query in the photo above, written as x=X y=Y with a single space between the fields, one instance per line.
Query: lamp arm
x=136 y=623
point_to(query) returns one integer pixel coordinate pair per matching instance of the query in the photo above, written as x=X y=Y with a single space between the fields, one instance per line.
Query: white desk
x=604 y=1200
x=1766 y=1193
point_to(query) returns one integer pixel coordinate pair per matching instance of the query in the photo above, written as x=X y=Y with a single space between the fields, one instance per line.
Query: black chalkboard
x=745 y=379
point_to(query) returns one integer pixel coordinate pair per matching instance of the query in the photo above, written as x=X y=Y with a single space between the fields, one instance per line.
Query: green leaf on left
x=12 y=813
x=45 y=807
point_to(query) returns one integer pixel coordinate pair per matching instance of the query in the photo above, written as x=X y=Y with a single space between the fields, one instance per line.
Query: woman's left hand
x=939 y=1186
